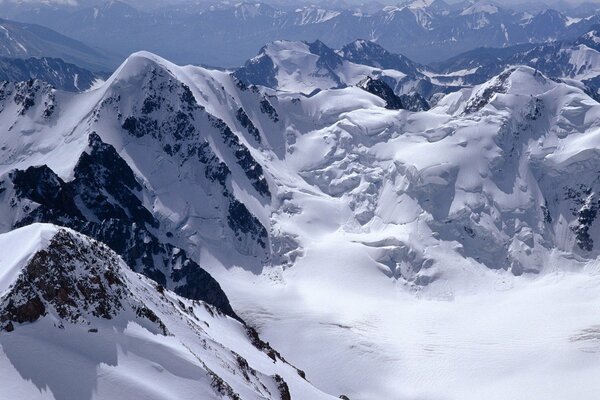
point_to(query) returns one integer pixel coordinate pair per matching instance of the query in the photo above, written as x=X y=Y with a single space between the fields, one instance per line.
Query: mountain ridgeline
x=377 y=220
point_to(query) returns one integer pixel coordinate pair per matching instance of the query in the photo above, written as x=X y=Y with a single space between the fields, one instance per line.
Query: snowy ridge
x=74 y=293
x=303 y=67
x=333 y=215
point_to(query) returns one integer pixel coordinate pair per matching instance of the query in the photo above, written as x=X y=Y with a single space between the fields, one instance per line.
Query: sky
x=559 y=4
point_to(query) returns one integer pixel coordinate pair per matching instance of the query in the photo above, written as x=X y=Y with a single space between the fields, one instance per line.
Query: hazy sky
x=508 y=3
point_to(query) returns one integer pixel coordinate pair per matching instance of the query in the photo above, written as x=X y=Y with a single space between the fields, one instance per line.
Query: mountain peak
x=367 y=52
x=591 y=38
x=481 y=7
x=67 y=276
x=516 y=81
x=139 y=62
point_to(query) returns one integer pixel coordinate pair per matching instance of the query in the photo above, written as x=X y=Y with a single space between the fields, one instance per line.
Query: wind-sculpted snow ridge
x=387 y=252
x=75 y=322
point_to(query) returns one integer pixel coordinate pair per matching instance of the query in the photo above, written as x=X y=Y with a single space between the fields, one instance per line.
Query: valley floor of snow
x=369 y=338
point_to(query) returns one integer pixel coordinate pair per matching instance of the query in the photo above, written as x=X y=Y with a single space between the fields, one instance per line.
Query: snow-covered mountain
x=387 y=253
x=77 y=323
x=192 y=32
x=577 y=61
x=309 y=67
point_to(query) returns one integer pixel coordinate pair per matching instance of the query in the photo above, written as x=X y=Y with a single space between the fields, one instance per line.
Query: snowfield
x=389 y=254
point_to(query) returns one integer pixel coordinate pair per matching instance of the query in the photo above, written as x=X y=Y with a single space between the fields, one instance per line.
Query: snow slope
x=438 y=254
x=303 y=67
x=389 y=253
x=109 y=333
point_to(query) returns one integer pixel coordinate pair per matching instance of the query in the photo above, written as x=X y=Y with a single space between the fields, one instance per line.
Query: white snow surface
x=123 y=359
x=429 y=255
x=298 y=70
x=18 y=247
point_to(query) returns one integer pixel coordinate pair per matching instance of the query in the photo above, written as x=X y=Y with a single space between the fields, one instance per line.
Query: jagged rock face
x=381 y=89
x=328 y=59
x=369 y=53
x=74 y=280
x=267 y=108
x=247 y=123
x=259 y=70
x=414 y=102
x=168 y=115
x=484 y=96
x=105 y=199
x=27 y=94
x=102 y=201
x=591 y=38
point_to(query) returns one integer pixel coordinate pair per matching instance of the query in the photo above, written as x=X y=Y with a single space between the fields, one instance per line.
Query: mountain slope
x=415 y=246
x=307 y=67
x=410 y=234
x=576 y=61
x=78 y=324
x=54 y=71
x=20 y=40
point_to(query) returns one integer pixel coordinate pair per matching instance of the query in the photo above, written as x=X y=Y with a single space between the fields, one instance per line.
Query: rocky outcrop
x=75 y=279
x=103 y=202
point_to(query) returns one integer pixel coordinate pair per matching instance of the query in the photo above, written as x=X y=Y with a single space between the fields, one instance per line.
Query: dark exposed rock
x=284 y=390
x=259 y=70
x=380 y=89
x=366 y=52
x=27 y=94
x=239 y=218
x=483 y=98
x=252 y=169
x=102 y=202
x=74 y=279
x=222 y=387
x=247 y=123
x=586 y=215
x=263 y=346
x=328 y=58
x=241 y=221
x=267 y=108
x=546 y=213
x=585 y=206
x=414 y=102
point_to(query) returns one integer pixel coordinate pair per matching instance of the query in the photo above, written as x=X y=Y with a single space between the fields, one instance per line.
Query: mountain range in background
x=424 y=31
